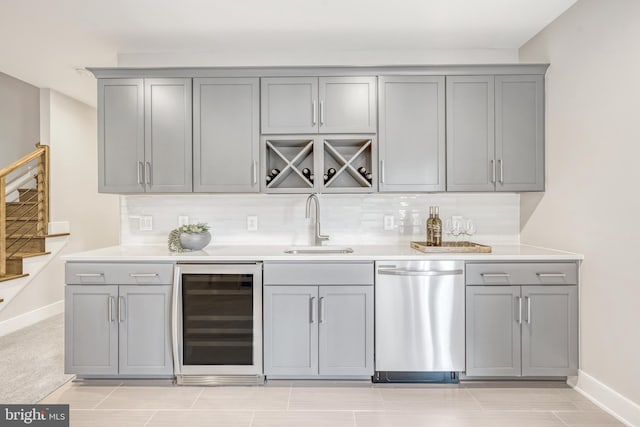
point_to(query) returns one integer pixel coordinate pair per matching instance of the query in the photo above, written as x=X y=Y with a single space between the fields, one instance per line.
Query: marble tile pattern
x=331 y=404
x=354 y=219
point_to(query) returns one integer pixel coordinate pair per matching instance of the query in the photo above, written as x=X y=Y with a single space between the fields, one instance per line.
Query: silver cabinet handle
x=501 y=179
x=147 y=172
x=321 y=310
x=381 y=171
x=255 y=172
x=110 y=316
x=528 y=299
x=403 y=272
x=143 y=274
x=140 y=167
x=493 y=171
x=321 y=113
x=120 y=307
x=519 y=310
x=541 y=275
x=312 y=310
x=494 y=274
x=314 y=112
x=90 y=274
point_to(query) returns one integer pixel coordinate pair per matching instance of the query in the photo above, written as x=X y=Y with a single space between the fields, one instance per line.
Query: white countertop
x=214 y=253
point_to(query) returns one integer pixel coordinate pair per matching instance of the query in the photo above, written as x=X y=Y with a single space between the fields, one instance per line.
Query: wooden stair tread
x=22 y=255
x=19 y=218
x=34 y=236
x=11 y=277
x=19 y=203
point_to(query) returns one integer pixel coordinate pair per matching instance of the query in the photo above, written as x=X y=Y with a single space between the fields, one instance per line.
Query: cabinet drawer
x=318 y=273
x=118 y=274
x=528 y=273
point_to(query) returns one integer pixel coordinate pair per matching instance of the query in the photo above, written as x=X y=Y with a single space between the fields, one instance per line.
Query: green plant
x=174 y=235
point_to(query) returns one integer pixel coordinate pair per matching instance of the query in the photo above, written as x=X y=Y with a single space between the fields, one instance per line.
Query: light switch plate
x=183 y=220
x=146 y=223
x=252 y=222
x=388 y=222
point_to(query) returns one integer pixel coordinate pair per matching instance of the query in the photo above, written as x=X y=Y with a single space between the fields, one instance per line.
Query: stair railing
x=38 y=185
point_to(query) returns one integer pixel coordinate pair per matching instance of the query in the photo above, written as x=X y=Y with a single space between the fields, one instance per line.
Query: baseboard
x=608 y=399
x=27 y=319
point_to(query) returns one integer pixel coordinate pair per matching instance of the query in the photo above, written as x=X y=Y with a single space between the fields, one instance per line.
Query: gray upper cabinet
x=226 y=134
x=289 y=105
x=144 y=135
x=495 y=133
x=167 y=140
x=519 y=133
x=470 y=133
x=347 y=105
x=412 y=133
x=303 y=105
x=120 y=135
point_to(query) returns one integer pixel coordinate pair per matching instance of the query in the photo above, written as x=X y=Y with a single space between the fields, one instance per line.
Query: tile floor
x=330 y=404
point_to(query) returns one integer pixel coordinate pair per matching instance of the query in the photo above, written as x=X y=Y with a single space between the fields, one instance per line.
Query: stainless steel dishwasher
x=419 y=321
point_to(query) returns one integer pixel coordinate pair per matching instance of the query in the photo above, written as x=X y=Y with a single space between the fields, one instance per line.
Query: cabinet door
x=520 y=133
x=168 y=142
x=493 y=330
x=290 y=330
x=144 y=332
x=120 y=135
x=550 y=330
x=289 y=105
x=412 y=133
x=470 y=133
x=226 y=135
x=345 y=316
x=347 y=105
x=91 y=330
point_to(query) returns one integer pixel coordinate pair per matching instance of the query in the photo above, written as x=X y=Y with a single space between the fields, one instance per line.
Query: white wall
x=70 y=129
x=19 y=119
x=591 y=204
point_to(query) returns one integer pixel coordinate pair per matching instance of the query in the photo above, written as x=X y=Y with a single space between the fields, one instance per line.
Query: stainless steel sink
x=318 y=250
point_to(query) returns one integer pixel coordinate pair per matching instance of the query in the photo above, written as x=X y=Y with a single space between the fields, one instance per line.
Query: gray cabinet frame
x=113 y=330
x=412 y=141
x=226 y=135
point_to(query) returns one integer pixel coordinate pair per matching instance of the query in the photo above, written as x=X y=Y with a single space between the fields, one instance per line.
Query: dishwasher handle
x=406 y=272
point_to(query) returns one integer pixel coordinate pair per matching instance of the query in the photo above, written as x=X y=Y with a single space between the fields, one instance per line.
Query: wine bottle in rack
x=311 y=177
x=362 y=170
x=269 y=178
x=306 y=172
x=325 y=177
x=369 y=177
x=275 y=172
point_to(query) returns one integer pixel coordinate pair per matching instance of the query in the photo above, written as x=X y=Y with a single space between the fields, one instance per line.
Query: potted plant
x=190 y=237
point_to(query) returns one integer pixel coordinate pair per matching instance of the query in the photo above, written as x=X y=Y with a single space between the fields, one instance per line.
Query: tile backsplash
x=348 y=218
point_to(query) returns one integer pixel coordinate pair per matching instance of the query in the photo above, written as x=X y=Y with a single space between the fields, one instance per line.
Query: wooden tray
x=464 y=247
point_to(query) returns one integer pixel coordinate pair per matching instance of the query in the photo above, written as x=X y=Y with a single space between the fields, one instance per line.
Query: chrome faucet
x=318 y=237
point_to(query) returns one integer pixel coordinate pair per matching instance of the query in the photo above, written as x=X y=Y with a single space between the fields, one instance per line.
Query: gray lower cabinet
x=226 y=134
x=495 y=133
x=113 y=330
x=301 y=105
x=318 y=331
x=411 y=133
x=318 y=319
x=522 y=330
x=144 y=135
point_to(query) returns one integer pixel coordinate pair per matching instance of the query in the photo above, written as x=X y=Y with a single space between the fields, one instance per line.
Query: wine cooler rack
x=332 y=164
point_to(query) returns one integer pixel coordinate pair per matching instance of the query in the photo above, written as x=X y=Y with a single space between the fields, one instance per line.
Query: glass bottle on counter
x=430 y=227
x=437 y=228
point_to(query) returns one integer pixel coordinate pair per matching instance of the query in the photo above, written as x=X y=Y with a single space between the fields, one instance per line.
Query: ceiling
x=44 y=42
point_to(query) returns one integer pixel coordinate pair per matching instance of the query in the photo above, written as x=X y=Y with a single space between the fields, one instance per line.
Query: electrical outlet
x=146 y=223
x=252 y=222
x=183 y=220
x=388 y=222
